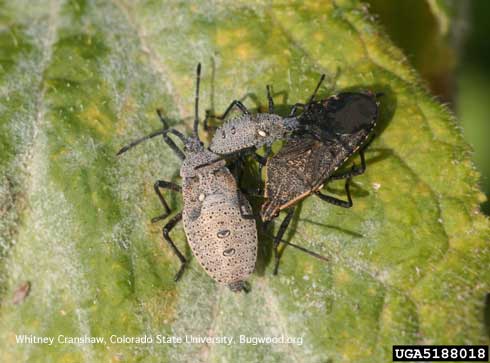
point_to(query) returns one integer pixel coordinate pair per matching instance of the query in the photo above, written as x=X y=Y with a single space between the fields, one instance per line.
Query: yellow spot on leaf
x=319 y=36
x=244 y=51
x=222 y=38
x=342 y=277
x=95 y=119
x=227 y=36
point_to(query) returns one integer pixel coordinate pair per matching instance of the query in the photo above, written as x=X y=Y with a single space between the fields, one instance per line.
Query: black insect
x=218 y=220
x=334 y=129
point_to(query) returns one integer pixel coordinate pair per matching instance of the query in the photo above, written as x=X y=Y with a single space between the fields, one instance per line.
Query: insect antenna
x=177 y=133
x=196 y=114
x=163 y=132
x=316 y=89
x=144 y=138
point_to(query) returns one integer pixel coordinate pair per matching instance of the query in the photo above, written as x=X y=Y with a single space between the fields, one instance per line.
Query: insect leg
x=238 y=104
x=168 y=140
x=166 y=230
x=263 y=159
x=316 y=89
x=210 y=115
x=336 y=201
x=164 y=132
x=164 y=185
x=174 y=147
x=302 y=105
x=277 y=239
x=355 y=169
x=235 y=103
x=295 y=107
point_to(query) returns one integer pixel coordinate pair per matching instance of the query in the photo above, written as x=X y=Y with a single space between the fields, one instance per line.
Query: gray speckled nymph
x=218 y=219
x=222 y=240
x=251 y=131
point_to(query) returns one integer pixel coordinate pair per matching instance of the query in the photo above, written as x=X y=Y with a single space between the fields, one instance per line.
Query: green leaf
x=408 y=263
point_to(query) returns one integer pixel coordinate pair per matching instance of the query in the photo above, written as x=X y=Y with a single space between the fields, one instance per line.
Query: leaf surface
x=79 y=79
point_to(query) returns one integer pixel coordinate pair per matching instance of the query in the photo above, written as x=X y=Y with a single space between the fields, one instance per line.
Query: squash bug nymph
x=218 y=220
x=249 y=132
